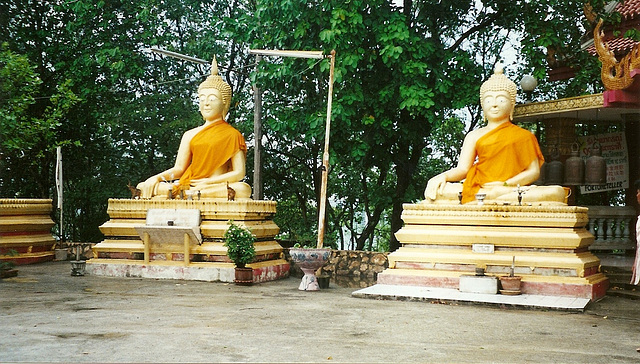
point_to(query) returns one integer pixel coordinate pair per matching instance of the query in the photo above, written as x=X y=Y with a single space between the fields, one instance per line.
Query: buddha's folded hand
x=435 y=186
x=147 y=187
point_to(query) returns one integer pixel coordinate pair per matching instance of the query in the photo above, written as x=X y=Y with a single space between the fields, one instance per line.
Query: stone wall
x=350 y=268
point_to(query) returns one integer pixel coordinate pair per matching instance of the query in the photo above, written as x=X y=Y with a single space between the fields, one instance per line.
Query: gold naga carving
x=616 y=75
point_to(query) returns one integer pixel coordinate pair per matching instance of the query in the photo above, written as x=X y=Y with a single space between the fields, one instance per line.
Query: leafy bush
x=239 y=242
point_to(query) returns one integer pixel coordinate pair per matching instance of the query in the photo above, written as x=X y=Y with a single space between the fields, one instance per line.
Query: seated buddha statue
x=211 y=157
x=499 y=160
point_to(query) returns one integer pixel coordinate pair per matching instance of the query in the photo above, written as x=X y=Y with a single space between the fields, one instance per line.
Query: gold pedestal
x=549 y=245
x=122 y=253
x=25 y=230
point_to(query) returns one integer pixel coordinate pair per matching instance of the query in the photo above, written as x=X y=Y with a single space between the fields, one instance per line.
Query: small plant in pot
x=511 y=284
x=239 y=242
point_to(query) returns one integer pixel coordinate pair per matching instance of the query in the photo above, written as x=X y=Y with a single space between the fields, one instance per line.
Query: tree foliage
x=131 y=105
x=28 y=133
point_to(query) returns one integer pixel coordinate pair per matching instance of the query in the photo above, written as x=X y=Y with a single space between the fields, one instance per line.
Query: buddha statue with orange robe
x=499 y=160
x=211 y=157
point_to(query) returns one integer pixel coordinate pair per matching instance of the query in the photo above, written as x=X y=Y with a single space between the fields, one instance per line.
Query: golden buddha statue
x=497 y=161
x=211 y=157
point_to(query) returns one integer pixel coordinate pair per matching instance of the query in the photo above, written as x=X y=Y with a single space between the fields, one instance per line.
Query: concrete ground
x=46 y=315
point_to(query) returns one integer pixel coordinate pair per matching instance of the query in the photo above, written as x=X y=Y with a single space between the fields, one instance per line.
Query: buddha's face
x=497 y=105
x=211 y=104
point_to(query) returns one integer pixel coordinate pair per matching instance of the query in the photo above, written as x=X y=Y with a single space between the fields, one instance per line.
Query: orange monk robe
x=502 y=153
x=210 y=149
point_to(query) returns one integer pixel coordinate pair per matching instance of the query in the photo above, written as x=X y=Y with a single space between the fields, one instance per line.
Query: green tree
x=133 y=105
x=400 y=71
x=28 y=138
x=552 y=34
x=403 y=74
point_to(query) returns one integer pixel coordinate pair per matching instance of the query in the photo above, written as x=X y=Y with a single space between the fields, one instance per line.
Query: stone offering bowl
x=309 y=260
x=480 y=198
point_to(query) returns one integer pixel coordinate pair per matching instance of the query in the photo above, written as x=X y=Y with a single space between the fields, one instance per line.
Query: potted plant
x=511 y=284
x=239 y=242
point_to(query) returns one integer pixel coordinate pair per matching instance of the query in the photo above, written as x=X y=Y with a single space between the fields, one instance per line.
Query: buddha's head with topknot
x=214 y=81
x=498 y=82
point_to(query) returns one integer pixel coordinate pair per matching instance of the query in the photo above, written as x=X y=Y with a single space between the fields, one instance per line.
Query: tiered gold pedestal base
x=25 y=230
x=121 y=254
x=550 y=245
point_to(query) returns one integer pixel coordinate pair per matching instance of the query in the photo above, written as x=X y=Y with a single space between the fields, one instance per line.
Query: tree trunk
x=368 y=230
x=406 y=160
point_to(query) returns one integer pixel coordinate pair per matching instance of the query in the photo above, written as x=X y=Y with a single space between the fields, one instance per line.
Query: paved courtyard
x=46 y=315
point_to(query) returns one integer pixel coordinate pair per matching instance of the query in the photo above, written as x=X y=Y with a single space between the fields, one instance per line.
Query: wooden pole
x=325 y=158
x=187 y=251
x=257 y=132
x=147 y=250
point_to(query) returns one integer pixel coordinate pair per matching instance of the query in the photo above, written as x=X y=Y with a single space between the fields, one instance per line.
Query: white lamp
x=528 y=84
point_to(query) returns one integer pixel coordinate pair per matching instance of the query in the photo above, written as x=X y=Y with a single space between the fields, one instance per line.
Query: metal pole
x=288 y=53
x=179 y=56
x=257 y=132
x=325 y=158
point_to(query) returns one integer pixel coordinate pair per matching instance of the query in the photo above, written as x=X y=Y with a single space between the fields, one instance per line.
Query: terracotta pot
x=244 y=276
x=510 y=284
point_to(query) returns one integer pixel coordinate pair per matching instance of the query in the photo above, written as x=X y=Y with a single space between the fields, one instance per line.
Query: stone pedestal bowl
x=309 y=260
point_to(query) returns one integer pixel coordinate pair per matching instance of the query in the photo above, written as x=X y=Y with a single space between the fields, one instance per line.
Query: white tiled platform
x=397 y=292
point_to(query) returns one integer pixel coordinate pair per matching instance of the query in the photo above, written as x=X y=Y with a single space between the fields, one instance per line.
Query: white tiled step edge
x=386 y=291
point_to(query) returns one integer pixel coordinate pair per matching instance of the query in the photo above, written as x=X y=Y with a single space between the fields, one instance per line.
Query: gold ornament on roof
x=499 y=82
x=215 y=81
x=616 y=75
